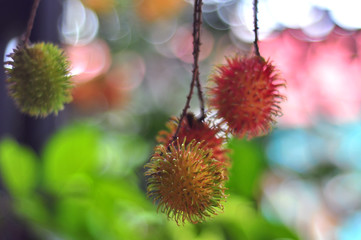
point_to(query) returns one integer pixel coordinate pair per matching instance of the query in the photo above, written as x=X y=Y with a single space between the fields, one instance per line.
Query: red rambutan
x=195 y=129
x=185 y=181
x=246 y=95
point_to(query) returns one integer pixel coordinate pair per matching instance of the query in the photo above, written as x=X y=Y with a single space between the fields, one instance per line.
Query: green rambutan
x=39 y=79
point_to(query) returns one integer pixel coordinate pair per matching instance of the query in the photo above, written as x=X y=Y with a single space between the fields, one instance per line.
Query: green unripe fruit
x=39 y=79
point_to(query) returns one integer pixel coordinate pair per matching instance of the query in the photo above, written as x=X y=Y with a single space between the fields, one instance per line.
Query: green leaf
x=195 y=232
x=248 y=164
x=120 y=154
x=33 y=209
x=17 y=167
x=70 y=217
x=70 y=157
x=113 y=210
x=241 y=219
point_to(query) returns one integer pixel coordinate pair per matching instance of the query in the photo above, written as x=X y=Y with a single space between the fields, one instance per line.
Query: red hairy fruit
x=246 y=95
x=195 y=129
x=185 y=181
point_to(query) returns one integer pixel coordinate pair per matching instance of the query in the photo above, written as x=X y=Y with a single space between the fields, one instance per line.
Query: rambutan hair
x=246 y=95
x=185 y=181
x=39 y=79
x=198 y=130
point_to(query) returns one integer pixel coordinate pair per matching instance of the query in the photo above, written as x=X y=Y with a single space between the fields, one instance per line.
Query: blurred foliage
x=248 y=166
x=18 y=168
x=84 y=186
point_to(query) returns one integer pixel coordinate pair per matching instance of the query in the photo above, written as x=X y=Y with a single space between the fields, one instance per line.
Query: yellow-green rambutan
x=185 y=181
x=39 y=79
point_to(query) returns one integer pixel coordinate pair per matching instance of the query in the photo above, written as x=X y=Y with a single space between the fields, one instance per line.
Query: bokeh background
x=79 y=175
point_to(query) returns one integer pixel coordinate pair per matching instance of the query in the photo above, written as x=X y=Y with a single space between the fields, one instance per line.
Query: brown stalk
x=255 y=23
x=31 y=21
x=197 y=22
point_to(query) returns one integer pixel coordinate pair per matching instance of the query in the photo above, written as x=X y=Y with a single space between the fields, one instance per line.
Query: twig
x=255 y=22
x=31 y=21
x=197 y=21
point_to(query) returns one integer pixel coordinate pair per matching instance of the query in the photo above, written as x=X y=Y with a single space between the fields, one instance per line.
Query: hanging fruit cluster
x=187 y=173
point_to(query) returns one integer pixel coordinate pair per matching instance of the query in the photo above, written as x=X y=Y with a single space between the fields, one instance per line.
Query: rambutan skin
x=195 y=129
x=246 y=95
x=185 y=181
x=39 y=79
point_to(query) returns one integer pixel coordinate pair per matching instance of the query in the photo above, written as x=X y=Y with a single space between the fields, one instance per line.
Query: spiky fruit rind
x=246 y=95
x=200 y=131
x=39 y=79
x=186 y=182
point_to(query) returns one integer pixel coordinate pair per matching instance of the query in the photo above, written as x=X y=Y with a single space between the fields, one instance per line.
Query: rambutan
x=246 y=95
x=185 y=181
x=195 y=129
x=39 y=79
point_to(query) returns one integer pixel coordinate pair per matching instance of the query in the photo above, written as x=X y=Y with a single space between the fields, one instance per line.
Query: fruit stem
x=31 y=21
x=197 y=22
x=255 y=30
